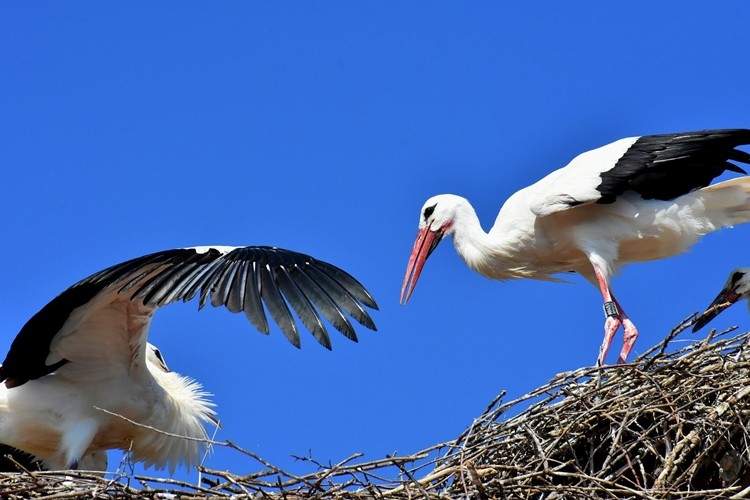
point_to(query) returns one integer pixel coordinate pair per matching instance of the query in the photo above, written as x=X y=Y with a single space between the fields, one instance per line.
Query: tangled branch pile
x=668 y=425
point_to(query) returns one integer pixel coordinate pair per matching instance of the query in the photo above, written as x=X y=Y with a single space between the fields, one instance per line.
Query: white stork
x=636 y=199
x=735 y=289
x=83 y=362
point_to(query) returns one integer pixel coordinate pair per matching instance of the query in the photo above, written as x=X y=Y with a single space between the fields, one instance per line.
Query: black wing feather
x=277 y=306
x=10 y=456
x=318 y=296
x=26 y=359
x=235 y=300
x=182 y=280
x=339 y=296
x=157 y=288
x=303 y=307
x=208 y=280
x=253 y=305
x=223 y=284
x=349 y=283
x=663 y=167
x=193 y=285
x=241 y=279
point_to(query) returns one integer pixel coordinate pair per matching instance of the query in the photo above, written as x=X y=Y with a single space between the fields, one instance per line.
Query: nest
x=668 y=425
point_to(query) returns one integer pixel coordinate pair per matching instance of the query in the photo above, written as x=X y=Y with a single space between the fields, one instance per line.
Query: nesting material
x=672 y=424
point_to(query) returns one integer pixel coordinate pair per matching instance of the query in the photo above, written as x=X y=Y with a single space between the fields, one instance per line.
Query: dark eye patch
x=736 y=277
x=428 y=211
x=158 y=355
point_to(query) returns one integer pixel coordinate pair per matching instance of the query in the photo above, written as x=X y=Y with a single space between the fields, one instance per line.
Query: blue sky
x=322 y=127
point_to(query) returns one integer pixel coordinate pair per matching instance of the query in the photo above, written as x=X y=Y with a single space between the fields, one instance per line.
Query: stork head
x=736 y=288
x=436 y=219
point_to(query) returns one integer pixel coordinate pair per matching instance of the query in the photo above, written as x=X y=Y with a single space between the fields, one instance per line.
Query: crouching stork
x=80 y=378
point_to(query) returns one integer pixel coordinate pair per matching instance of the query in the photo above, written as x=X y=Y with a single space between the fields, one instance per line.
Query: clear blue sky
x=132 y=127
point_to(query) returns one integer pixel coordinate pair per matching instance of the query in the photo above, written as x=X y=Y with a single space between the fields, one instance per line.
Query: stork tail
x=728 y=202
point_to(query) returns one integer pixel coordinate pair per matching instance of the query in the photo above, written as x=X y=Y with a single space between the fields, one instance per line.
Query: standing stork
x=81 y=378
x=636 y=199
x=735 y=289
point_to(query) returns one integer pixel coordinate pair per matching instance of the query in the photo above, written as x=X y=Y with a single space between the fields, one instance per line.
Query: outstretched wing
x=120 y=301
x=657 y=167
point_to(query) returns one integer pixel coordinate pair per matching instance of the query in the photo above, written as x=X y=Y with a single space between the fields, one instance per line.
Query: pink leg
x=631 y=333
x=612 y=323
x=615 y=317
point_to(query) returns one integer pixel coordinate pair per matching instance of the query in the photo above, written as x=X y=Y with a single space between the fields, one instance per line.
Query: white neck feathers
x=184 y=411
x=494 y=254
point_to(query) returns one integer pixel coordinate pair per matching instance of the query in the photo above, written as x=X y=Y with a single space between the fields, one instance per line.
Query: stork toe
x=631 y=334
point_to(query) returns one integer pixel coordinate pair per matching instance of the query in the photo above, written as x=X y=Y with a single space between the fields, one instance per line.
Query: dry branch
x=668 y=425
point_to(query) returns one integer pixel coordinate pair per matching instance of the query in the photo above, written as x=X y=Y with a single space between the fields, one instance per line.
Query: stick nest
x=668 y=425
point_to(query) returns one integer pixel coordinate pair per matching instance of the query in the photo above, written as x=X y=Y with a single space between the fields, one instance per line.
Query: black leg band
x=610 y=310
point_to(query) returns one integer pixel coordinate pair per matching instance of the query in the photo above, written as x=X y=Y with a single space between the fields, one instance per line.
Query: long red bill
x=425 y=243
x=726 y=298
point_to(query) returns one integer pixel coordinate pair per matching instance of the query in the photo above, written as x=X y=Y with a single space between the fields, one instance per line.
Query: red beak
x=425 y=243
x=726 y=298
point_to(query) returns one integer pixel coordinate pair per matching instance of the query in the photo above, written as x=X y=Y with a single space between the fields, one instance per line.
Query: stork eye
x=428 y=211
x=158 y=355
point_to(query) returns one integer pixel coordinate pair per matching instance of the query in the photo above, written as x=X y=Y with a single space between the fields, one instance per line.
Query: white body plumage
x=636 y=199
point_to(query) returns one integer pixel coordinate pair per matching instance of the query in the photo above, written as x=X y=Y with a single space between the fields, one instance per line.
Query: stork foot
x=631 y=333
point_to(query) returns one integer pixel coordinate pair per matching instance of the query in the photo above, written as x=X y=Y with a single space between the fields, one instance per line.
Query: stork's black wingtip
x=353 y=336
x=367 y=298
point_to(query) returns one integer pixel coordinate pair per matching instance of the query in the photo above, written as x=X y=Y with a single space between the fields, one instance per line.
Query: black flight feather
x=663 y=167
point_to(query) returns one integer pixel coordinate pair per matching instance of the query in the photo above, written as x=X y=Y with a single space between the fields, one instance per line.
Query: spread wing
x=106 y=316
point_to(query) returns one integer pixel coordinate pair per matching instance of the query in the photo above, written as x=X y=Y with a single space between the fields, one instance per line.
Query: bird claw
x=631 y=333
